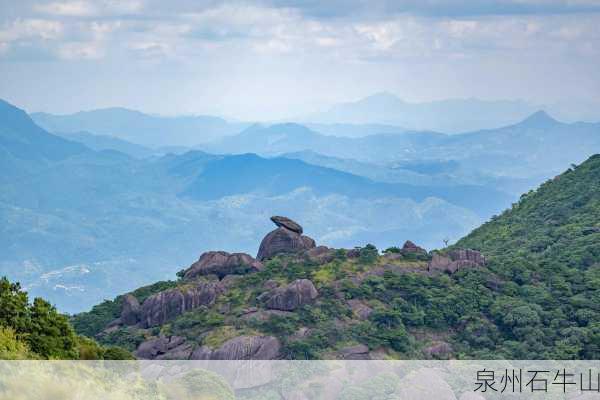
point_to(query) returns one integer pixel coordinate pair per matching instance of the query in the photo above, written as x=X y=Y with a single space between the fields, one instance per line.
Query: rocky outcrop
x=285 y=222
x=292 y=296
x=360 y=309
x=358 y=352
x=456 y=260
x=241 y=348
x=164 y=306
x=320 y=255
x=438 y=350
x=409 y=247
x=164 y=348
x=287 y=238
x=221 y=263
x=130 y=311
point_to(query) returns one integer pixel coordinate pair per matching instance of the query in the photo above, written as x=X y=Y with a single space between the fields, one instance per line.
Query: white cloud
x=30 y=29
x=81 y=51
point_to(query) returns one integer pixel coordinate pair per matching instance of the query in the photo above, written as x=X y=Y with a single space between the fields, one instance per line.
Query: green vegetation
x=538 y=297
x=37 y=331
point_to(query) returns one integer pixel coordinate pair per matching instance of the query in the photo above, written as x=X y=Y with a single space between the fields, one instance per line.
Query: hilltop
x=523 y=286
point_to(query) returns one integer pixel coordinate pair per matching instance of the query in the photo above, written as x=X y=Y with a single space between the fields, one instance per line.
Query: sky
x=274 y=59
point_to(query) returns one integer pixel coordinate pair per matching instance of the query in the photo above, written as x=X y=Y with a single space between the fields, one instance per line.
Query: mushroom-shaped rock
x=130 y=311
x=292 y=296
x=287 y=238
x=221 y=263
x=164 y=348
x=287 y=223
x=241 y=348
x=166 y=305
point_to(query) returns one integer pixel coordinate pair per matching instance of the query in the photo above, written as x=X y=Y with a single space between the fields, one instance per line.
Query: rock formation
x=285 y=222
x=221 y=263
x=130 y=311
x=320 y=255
x=292 y=296
x=287 y=238
x=410 y=247
x=166 y=305
x=456 y=260
x=164 y=348
x=241 y=348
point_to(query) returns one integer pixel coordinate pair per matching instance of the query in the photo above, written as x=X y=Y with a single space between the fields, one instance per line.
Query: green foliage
x=368 y=254
x=11 y=348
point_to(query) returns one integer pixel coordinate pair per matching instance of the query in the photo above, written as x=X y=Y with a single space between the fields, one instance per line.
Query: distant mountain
x=249 y=173
x=536 y=147
x=450 y=116
x=353 y=130
x=105 y=142
x=134 y=126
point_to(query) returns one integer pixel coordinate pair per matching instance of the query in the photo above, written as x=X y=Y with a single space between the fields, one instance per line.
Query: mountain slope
x=535 y=294
x=249 y=173
x=104 y=142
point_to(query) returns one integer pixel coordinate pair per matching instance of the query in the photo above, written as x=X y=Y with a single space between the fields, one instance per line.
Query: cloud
x=88 y=8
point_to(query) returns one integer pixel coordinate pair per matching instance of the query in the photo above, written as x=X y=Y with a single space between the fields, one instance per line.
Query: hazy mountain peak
x=539 y=119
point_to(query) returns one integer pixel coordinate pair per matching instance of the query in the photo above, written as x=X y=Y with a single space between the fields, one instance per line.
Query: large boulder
x=320 y=255
x=287 y=238
x=409 y=247
x=221 y=263
x=164 y=348
x=358 y=352
x=456 y=260
x=166 y=305
x=292 y=296
x=130 y=311
x=241 y=348
x=287 y=223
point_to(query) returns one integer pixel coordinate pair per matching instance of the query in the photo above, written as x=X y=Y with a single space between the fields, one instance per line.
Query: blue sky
x=275 y=59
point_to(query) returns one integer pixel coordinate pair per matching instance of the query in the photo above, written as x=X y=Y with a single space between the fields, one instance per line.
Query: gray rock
x=130 y=311
x=166 y=305
x=358 y=352
x=353 y=253
x=361 y=310
x=164 y=348
x=241 y=348
x=221 y=263
x=283 y=240
x=292 y=296
x=456 y=260
x=320 y=255
x=410 y=247
x=438 y=350
x=287 y=223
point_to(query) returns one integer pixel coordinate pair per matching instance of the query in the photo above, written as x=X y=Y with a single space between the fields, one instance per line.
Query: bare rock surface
x=130 y=312
x=287 y=223
x=221 y=263
x=456 y=260
x=360 y=309
x=410 y=247
x=358 y=352
x=241 y=348
x=164 y=348
x=287 y=238
x=292 y=296
x=166 y=305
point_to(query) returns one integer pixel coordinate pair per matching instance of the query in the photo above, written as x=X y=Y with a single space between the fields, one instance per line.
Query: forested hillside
x=530 y=289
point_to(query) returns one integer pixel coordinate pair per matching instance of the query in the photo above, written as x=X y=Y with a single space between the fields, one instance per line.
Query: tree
x=50 y=333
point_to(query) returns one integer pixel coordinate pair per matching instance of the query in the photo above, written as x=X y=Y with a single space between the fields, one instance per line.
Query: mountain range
x=144 y=129
x=448 y=116
x=73 y=203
